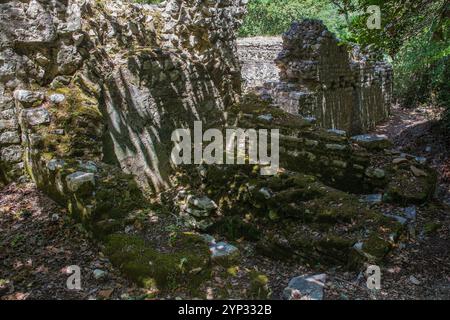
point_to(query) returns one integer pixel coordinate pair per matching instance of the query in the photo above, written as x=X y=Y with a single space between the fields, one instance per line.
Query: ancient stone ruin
x=257 y=56
x=147 y=69
x=90 y=96
x=320 y=77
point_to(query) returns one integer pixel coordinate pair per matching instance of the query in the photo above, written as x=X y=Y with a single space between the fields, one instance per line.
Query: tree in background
x=402 y=21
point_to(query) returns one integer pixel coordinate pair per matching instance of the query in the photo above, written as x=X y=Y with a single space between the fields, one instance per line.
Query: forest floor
x=38 y=242
x=419 y=132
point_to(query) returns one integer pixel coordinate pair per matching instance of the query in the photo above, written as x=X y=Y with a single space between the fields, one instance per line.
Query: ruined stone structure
x=90 y=96
x=147 y=69
x=320 y=77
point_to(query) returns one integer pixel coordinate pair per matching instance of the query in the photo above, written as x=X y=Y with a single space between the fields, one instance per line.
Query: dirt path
x=419 y=268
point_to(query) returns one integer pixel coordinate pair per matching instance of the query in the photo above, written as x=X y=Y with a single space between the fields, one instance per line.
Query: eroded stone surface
x=36 y=116
x=155 y=68
x=319 y=77
x=9 y=137
x=28 y=97
x=257 y=56
x=11 y=154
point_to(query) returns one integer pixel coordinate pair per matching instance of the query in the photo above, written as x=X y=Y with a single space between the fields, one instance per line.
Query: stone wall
x=257 y=56
x=322 y=78
x=149 y=68
x=11 y=164
x=301 y=213
x=90 y=95
x=205 y=30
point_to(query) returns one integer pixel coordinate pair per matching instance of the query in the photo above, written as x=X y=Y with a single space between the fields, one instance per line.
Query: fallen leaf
x=105 y=294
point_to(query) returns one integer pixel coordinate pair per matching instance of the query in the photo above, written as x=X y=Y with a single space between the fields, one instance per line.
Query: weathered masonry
x=127 y=74
x=257 y=56
x=91 y=93
x=320 y=77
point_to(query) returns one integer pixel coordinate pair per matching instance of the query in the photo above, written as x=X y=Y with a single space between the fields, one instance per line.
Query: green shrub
x=422 y=72
x=273 y=17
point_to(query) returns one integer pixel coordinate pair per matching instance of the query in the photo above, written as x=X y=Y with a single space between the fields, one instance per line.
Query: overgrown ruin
x=320 y=77
x=90 y=96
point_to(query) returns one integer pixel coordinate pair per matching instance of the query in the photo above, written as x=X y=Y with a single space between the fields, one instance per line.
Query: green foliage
x=273 y=17
x=400 y=22
x=422 y=72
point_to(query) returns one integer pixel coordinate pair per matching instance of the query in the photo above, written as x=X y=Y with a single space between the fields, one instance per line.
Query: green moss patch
x=183 y=269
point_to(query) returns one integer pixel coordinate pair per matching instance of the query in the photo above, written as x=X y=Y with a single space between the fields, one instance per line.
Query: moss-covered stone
x=313 y=223
x=235 y=227
x=274 y=249
x=376 y=247
x=81 y=122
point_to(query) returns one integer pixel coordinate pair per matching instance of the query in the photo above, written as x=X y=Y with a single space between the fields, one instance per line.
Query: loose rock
x=305 y=288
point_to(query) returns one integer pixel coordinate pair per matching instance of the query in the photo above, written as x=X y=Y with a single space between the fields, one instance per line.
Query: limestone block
x=28 y=98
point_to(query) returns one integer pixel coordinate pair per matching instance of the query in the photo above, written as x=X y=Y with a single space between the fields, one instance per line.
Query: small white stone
x=266 y=117
x=223 y=250
x=414 y=280
x=36 y=116
x=266 y=193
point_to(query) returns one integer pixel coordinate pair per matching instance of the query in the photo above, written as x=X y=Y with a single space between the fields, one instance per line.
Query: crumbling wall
x=205 y=31
x=321 y=77
x=90 y=95
x=11 y=152
x=295 y=215
x=257 y=56
x=149 y=68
